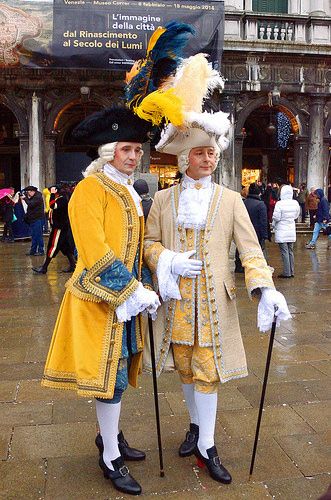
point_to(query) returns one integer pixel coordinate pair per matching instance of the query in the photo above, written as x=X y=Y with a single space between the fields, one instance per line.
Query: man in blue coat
x=322 y=219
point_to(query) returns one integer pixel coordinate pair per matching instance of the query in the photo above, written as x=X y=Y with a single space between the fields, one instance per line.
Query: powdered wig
x=106 y=154
x=184 y=163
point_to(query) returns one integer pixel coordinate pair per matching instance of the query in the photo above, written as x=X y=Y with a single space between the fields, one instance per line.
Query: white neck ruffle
x=194 y=202
x=125 y=180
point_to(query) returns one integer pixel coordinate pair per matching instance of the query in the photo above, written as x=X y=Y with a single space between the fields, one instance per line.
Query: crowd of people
x=270 y=207
x=280 y=207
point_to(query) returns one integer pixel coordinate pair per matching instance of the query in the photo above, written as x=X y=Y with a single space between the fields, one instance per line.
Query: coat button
x=98 y=279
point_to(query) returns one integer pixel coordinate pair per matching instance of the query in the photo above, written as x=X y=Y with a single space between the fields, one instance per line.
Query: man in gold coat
x=97 y=342
x=187 y=244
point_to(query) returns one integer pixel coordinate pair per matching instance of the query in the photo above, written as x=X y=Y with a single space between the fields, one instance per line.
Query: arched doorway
x=268 y=145
x=70 y=158
x=9 y=149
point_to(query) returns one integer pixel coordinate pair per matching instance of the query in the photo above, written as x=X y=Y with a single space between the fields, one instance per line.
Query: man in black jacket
x=257 y=212
x=142 y=189
x=35 y=218
x=60 y=237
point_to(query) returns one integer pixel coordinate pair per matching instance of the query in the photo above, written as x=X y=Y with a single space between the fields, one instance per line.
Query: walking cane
x=156 y=399
x=265 y=381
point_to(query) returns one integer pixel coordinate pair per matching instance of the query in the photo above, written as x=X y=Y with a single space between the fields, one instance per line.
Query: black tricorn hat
x=114 y=124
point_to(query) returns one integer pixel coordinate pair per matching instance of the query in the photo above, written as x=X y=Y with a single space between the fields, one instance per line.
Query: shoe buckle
x=216 y=461
x=124 y=471
x=190 y=437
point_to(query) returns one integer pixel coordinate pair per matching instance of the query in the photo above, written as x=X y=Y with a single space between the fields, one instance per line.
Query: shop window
x=274 y=6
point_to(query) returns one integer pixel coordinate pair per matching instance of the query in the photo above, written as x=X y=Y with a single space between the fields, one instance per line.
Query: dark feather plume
x=160 y=63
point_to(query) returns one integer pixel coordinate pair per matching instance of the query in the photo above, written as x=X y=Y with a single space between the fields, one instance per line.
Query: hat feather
x=163 y=56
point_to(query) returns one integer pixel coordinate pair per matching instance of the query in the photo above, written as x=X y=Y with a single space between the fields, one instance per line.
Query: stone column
x=50 y=164
x=317 y=8
x=300 y=160
x=35 y=172
x=315 y=143
x=249 y=5
x=24 y=159
x=226 y=173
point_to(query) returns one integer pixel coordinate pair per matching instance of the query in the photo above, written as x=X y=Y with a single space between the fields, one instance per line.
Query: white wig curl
x=106 y=154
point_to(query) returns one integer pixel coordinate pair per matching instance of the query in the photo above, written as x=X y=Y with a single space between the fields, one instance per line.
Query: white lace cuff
x=167 y=280
x=135 y=304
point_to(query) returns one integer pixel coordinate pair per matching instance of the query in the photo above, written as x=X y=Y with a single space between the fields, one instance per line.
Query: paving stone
x=25 y=413
x=289 y=373
x=302 y=488
x=138 y=404
x=310 y=452
x=281 y=420
x=57 y=440
x=22 y=480
x=278 y=394
x=21 y=371
x=82 y=410
x=322 y=366
x=317 y=415
x=32 y=390
x=12 y=354
x=7 y=390
x=320 y=388
x=5 y=435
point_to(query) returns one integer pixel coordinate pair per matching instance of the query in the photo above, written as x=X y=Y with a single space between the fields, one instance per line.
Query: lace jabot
x=194 y=202
x=125 y=180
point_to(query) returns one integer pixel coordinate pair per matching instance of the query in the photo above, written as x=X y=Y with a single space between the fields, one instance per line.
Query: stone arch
x=20 y=114
x=73 y=98
x=260 y=101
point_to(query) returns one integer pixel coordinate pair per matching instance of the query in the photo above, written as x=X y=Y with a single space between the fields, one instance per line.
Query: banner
x=104 y=34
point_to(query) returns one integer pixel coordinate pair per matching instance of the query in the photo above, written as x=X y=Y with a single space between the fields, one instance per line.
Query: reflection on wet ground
x=47 y=437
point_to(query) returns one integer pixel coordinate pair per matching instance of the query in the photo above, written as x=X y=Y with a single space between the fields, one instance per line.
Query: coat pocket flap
x=230 y=288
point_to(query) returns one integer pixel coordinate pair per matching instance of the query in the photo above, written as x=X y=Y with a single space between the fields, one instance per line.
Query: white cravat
x=194 y=202
x=125 y=180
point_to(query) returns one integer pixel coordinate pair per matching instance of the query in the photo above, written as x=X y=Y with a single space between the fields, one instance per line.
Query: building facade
x=277 y=65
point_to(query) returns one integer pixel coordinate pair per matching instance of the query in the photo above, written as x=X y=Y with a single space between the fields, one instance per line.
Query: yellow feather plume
x=161 y=105
x=154 y=38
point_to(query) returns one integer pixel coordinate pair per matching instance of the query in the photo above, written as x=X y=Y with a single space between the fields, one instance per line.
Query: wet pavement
x=47 y=437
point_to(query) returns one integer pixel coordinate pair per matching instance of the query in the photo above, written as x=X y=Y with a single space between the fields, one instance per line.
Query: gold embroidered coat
x=215 y=320
x=87 y=339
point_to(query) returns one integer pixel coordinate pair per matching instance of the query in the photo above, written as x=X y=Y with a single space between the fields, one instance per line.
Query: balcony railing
x=267 y=30
x=280 y=28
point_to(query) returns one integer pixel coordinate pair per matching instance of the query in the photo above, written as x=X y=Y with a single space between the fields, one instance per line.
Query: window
x=276 y=6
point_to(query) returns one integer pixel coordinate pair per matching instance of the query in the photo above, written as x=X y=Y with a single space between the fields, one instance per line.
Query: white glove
x=186 y=267
x=266 y=310
x=141 y=300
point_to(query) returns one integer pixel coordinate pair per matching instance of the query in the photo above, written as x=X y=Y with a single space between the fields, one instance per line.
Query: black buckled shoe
x=127 y=453
x=216 y=470
x=39 y=270
x=188 y=446
x=120 y=476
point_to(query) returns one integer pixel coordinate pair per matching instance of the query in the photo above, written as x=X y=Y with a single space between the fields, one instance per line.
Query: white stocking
x=207 y=407
x=188 y=390
x=108 y=417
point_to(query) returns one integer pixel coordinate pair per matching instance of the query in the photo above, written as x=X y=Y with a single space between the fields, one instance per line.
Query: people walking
x=7 y=209
x=258 y=215
x=35 y=218
x=312 y=204
x=322 y=218
x=283 y=221
x=60 y=239
x=302 y=200
x=97 y=343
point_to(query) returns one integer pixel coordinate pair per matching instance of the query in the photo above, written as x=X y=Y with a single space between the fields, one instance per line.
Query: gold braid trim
x=152 y=255
x=257 y=273
x=75 y=288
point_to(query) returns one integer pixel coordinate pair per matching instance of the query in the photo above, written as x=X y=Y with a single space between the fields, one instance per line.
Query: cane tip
x=250 y=477
x=162 y=473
